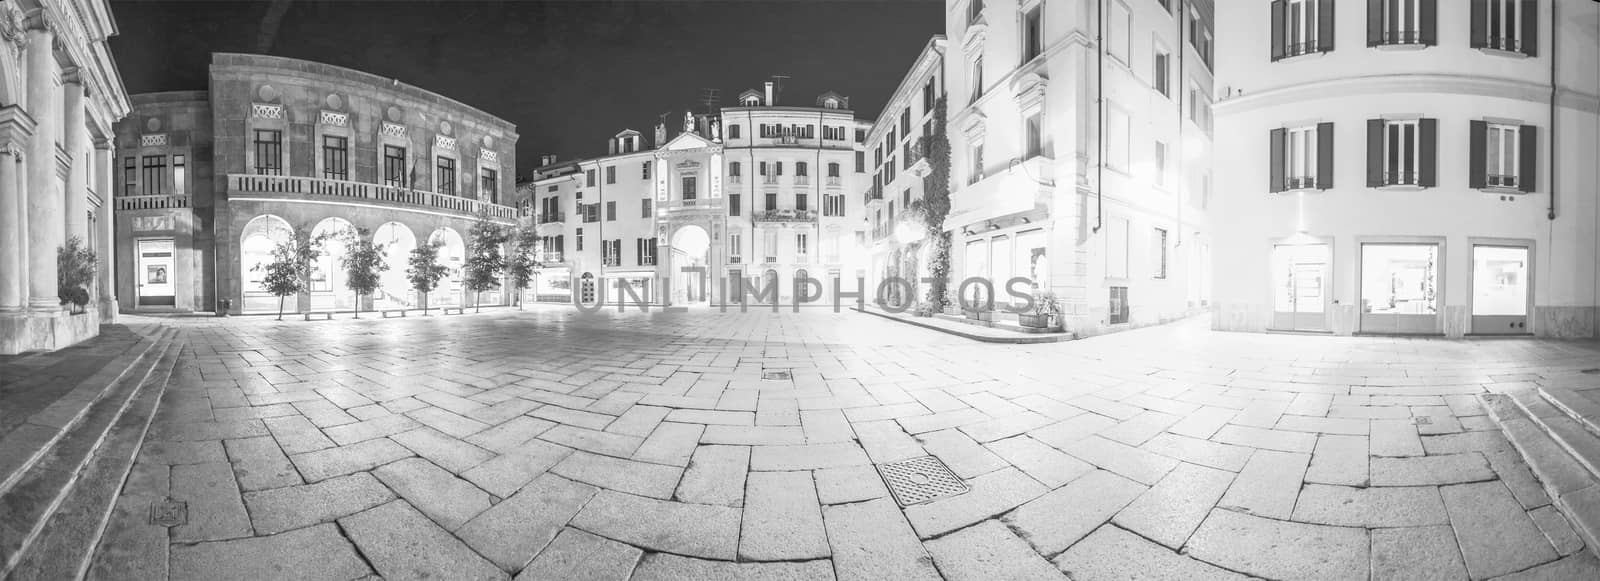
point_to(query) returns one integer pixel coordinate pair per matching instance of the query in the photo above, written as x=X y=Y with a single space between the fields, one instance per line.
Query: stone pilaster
x=16 y=127
x=104 y=161
x=45 y=220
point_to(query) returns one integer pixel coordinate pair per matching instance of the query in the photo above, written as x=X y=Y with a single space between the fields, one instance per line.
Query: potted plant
x=981 y=311
x=75 y=270
x=1045 y=309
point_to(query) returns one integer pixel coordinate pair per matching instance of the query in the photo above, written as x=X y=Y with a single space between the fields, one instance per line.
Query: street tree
x=425 y=271
x=524 y=261
x=363 y=266
x=485 y=260
x=289 y=273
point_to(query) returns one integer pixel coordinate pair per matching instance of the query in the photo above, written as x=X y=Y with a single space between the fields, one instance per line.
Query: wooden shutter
x=1325 y=25
x=1477 y=163
x=1275 y=167
x=1374 y=153
x=1429 y=14
x=1527 y=157
x=1324 y=156
x=638 y=251
x=1278 y=24
x=1374 y=22
x=1480 y=23
x=1530 y=27
x=1427 y=153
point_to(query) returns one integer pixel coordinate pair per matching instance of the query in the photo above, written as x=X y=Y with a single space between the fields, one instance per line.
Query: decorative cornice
x=266 y=110
x=1471 y=85
x=334 y=118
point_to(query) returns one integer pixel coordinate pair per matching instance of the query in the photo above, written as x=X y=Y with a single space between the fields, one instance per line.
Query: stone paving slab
x=312 y=553
x=648 y=447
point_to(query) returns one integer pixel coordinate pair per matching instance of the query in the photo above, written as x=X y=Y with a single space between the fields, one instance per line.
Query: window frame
x=335 y=157
x=269 y=152
x=444 y=167
x=398 y=179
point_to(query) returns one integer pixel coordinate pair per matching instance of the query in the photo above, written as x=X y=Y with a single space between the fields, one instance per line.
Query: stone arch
x=690 y=246
x=394 y=291
x=453 y=255
x=328 y=289
x=257 y=240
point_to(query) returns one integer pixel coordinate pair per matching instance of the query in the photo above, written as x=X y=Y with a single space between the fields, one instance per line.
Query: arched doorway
x=690 y=248
x=259 y=238
x=453 y=255
x=394 y=291
x=798 y=290
x=328 y=288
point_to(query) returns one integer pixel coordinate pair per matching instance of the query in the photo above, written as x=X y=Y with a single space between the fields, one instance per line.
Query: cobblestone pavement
x=552 y=445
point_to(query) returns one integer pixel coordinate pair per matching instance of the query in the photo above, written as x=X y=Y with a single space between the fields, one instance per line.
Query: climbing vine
x=936 y=206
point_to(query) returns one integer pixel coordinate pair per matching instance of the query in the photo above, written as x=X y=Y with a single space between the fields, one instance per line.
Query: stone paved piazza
x=549 y=444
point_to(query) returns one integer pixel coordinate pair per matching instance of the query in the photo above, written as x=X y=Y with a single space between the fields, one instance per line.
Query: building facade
x=1080 y=147
x=898 y=144
x=756 y=194
x=286 y=150
x=60 y=94
x=1398 y=168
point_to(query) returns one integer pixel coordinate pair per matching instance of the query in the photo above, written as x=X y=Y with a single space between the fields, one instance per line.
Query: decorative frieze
x=444 y=142
x=486 y=155
x=149 y=223
x=266 y=111
x=392 y=129
x=335 y=119
x=153 y=140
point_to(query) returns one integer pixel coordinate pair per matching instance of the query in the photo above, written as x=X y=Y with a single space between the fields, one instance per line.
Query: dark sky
x=568 y=74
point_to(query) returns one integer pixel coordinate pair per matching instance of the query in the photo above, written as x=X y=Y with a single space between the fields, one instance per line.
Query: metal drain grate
x=1422 y=420
x=777 y=375
x=169 y=513
x=920 y=480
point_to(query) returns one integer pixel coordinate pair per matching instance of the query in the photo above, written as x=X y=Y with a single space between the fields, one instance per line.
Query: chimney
x=547 y=159
x=769 y=102
x=611 y=147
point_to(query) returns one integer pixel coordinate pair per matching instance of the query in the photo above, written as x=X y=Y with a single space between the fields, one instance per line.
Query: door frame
x=1472 y=275
x=139 y=272
x=1327 y=278
x=1439 y=278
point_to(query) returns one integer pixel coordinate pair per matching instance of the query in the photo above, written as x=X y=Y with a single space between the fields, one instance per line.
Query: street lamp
x=908 y=233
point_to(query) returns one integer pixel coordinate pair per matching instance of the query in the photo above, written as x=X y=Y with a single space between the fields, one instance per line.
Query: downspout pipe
x=1555 y=49
x=1183 y=176
x=1100 y=111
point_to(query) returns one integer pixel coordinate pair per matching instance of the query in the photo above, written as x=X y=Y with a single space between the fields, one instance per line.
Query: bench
x=326 y=315
x=402 y=313
x=454 y=310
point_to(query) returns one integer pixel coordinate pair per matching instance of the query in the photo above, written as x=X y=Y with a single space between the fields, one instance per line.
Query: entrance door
x=155 y=273
x=1400 y=288
x=1499 y=290
x=1300 y=285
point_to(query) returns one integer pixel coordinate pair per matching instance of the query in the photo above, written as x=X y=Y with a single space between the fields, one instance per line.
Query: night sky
x=568 y=74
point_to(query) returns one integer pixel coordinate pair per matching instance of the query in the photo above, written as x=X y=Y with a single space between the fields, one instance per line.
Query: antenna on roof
x=711 y=98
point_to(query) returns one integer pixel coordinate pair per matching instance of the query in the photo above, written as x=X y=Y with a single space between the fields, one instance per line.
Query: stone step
x=1572 y=484
x=1585 y=411
x=38 y=490
x=65 y=546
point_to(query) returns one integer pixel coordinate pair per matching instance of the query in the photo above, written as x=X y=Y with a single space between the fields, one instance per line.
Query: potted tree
x=74 y=273
x=363 y=263
x=484 y=261
x=1045 y=311
x=425 y=271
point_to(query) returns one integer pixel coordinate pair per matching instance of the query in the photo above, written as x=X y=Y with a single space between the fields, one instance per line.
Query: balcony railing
x=1406 y=178
x=1299 y=183
x=735 y=178
x=1402 y=37
x=552 y=217
x=1300 y=48
x=874 y=194
x=611 y=261
x=159 y=202
x=835 y=181
x=802 y=180
x=250 y=183
x=769 y=179
x=1501 y=181
x=551 y=256
x=786 y=216
x=1506 y=43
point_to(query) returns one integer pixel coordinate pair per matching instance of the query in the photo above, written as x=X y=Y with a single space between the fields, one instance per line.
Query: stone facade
x=59 y=96
x=282 y=147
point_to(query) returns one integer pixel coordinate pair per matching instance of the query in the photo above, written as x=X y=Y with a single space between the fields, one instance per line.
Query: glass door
x=1499 y=290
x=1300 y=283
x=1400 y=288
x=155 y=273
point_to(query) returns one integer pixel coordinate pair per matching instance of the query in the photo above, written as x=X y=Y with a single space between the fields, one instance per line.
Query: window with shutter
x=1501 y=155
x=1398 y=22
x=1324 y=157
x=1278 y=138
x=1528 y=161
x=1506 y=25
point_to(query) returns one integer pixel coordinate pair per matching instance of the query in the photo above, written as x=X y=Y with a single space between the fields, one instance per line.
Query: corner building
x=1080 y=137
x=1408 y=167
x=282 y=149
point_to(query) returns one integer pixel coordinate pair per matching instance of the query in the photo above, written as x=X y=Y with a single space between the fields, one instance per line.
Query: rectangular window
x=644 y=208
x=833 y=169
x=689 y=192
x=861 y=162
x=1158 y=253
x=927 y=97
x=1032 y=137
x=1161 y=163
x=394 y=166
x=1301 y=153
x=611 y=175
x=975 y=158
x=1507 y=26
x=447 y=176
x=772 y=201
x=611 y=211
x=974 y=11
x=1117 y=310
x=269 y=152
x=770 y=245
x=733 y=131
x=861 y=136
x=800 y=202
x=1501 y=158
x=335 y=157
x=644 y=170
x=975 y=76
x=801 y=245
x=1398 y=22
x=1301 y=28
x=1033 y=33
x=800 y=169
x=579 y=240
x=130 y=176
x=734 y=246
x=733 y=204
x=1118 y=37
x=155 y=173
x=489 y=186
x=180 y=175
x=1161 y=75
x=589 y=178
x=1401 y=154
x=905 y=122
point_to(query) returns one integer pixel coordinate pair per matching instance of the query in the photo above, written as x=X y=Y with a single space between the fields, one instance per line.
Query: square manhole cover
x=1422 y=420
x=776 y=375
x=169 y=513
x=920 y=480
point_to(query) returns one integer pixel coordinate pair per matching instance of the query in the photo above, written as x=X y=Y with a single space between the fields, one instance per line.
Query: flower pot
x=1040 y=321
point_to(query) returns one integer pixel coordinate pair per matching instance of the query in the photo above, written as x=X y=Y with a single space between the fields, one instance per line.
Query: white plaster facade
x=1315 y=255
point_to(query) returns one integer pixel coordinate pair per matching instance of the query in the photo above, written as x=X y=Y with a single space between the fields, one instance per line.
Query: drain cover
x=168 y=512
x=776 y=375
x=1422 y=421
x=920 y=480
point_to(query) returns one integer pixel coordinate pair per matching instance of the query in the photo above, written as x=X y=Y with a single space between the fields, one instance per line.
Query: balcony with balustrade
x=874 y=195
x=833 y=182
x=152 y=202
x=322 y=190
x=786 y=216
x=916 y=157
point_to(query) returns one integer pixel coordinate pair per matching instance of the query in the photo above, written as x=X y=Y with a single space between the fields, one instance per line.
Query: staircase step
x=38 y=489
x=1576 y=405
x=64 y=547
x=1570 y=481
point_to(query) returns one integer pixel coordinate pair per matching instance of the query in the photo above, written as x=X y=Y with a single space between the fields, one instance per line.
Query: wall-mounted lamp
x=994 y=226
x=1026 y=220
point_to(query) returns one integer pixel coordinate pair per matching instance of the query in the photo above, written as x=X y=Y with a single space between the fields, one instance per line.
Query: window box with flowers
x=1045 y=314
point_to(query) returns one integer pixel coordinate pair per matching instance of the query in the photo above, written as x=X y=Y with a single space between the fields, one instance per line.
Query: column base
x=25 y=331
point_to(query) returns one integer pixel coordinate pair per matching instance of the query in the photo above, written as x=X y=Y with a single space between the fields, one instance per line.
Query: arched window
x=587 y=288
